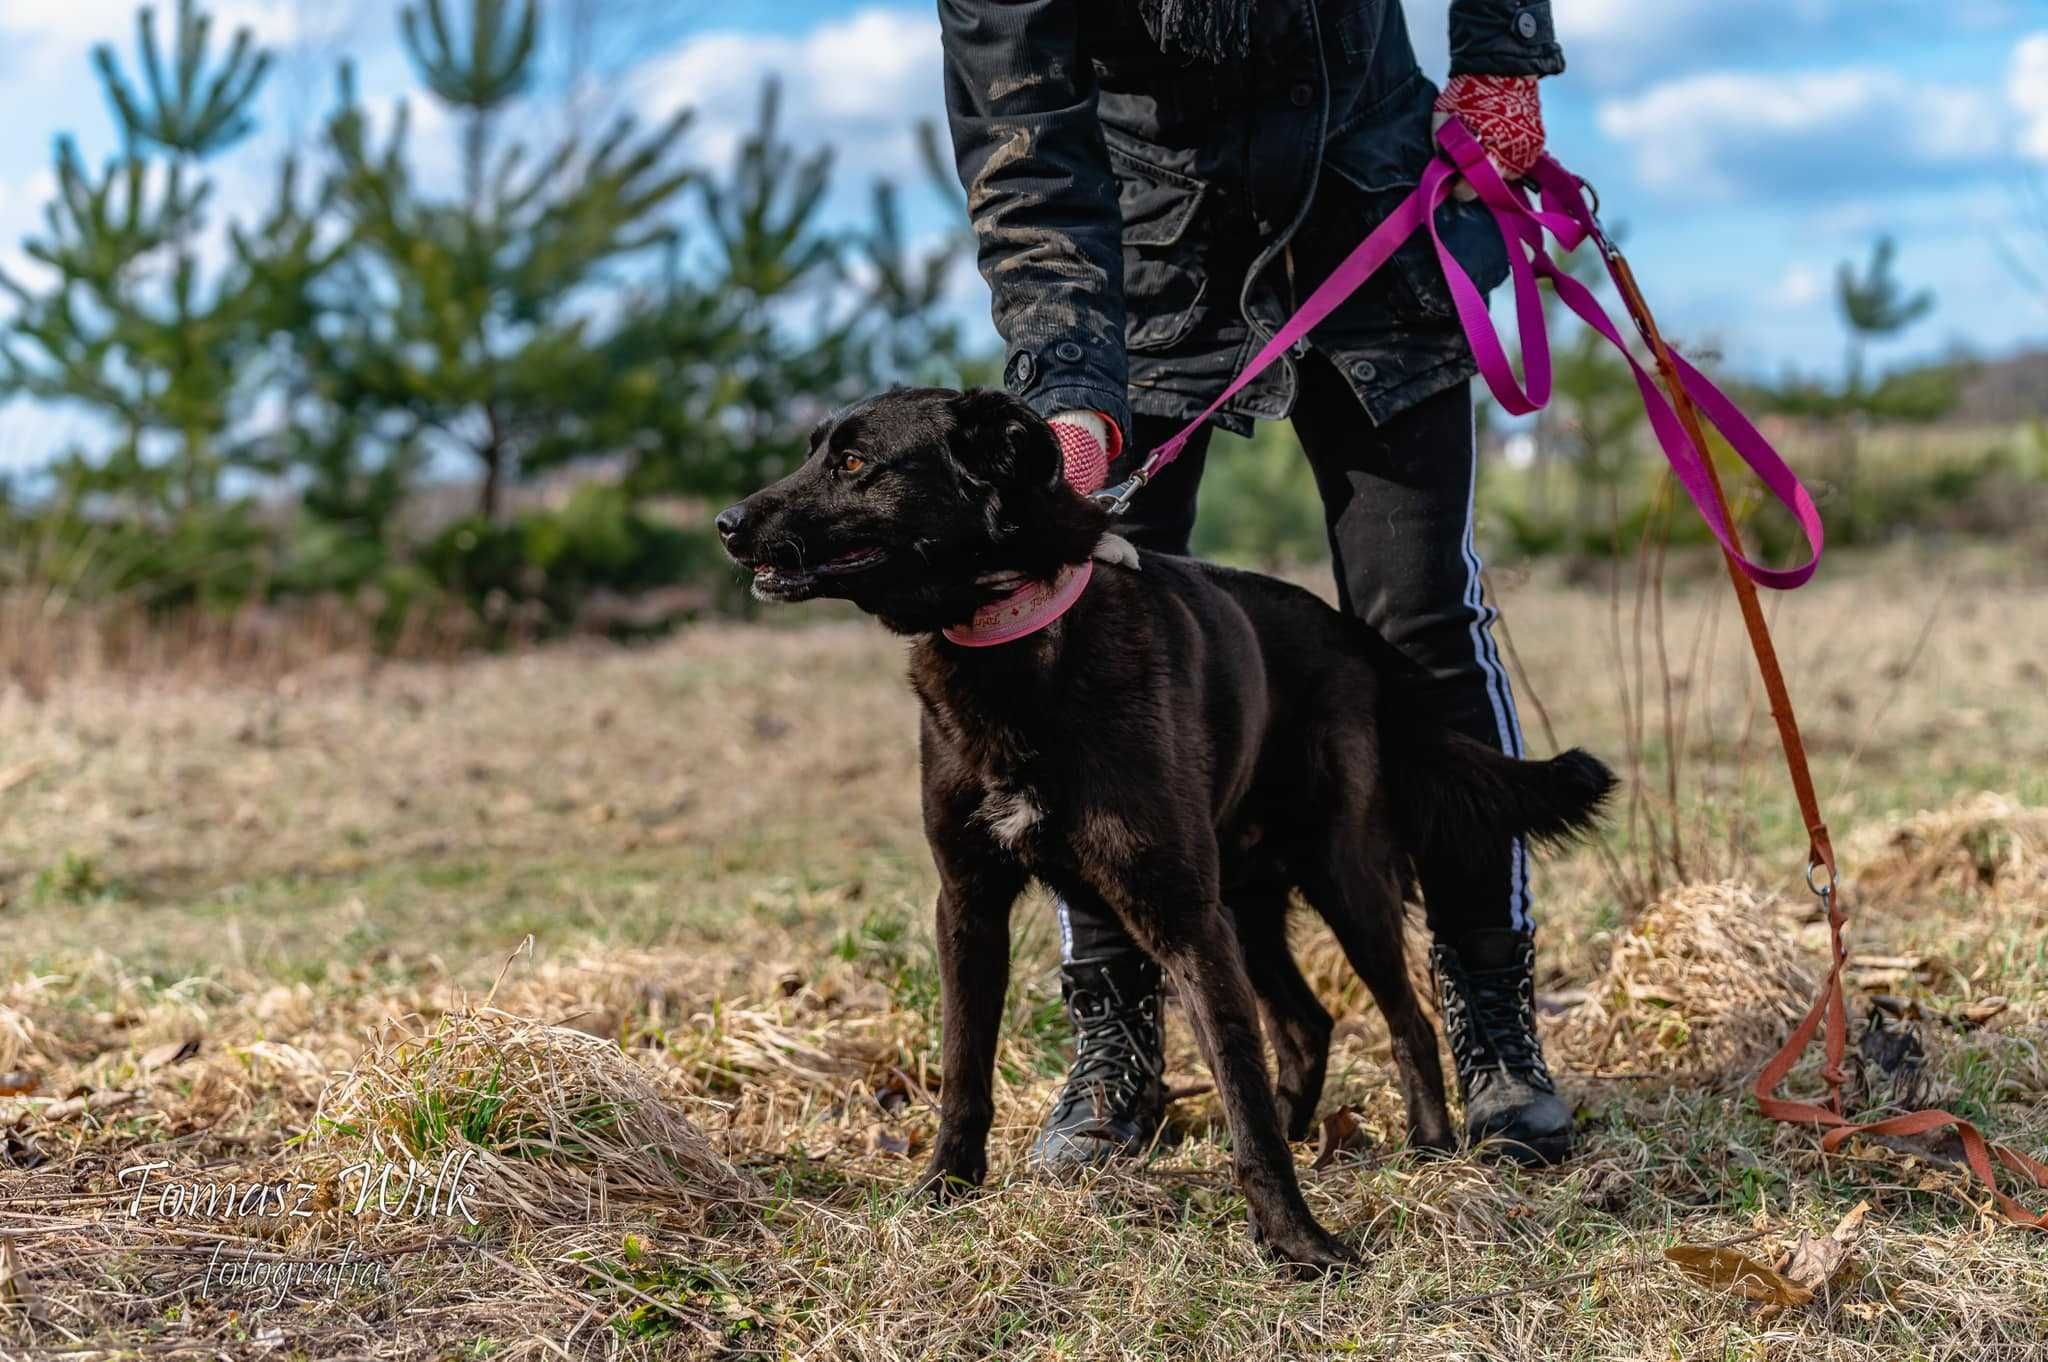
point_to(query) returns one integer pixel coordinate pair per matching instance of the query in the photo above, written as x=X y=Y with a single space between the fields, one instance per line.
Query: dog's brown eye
x=852 y=463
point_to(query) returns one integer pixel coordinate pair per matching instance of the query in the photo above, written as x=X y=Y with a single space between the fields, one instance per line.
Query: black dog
x=1184 y=738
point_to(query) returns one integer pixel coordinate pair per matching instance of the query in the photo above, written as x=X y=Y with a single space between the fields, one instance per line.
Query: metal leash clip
x=1118 y=498
x=1600 y=240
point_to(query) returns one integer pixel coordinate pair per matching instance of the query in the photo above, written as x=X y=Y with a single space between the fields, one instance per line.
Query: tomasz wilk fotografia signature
x=386 y=1190
x=278 y=1276
x=382 y=1190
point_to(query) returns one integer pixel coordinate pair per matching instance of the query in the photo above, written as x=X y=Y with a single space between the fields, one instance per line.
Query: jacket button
x=1068 y=352
x=1304 y=93
x=1364 y=370
x=1021 y=372
x=1525 y=24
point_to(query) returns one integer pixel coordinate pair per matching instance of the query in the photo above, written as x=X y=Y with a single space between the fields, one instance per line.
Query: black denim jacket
x=1145 y=224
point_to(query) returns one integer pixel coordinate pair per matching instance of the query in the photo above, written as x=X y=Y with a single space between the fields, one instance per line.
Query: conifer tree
x=474 y=328
x=126 y=327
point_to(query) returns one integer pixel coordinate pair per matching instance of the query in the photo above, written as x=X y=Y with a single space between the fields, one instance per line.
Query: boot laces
x=1491 y=1018
x=1117 y=1052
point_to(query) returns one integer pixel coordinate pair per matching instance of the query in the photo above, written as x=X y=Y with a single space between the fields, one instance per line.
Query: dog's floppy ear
x=1000 y=440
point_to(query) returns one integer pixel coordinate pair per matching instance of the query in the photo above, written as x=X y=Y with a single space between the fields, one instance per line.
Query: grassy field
x=645 y=934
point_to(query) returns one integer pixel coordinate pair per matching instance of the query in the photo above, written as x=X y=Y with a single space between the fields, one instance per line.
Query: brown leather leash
x=1829 y=1008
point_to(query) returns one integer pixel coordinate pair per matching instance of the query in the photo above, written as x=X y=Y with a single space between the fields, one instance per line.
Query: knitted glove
x=1504 y=113
x=1088 y=441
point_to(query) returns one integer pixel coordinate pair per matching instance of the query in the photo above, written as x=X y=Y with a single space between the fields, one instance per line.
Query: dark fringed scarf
x=1211 y=31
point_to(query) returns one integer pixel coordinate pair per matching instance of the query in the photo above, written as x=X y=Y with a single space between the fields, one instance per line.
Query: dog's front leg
x=1168 y=901
x=1209 y=977
x=974 y=974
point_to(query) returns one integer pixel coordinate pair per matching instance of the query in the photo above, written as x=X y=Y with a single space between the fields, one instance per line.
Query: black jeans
x=1397 y=499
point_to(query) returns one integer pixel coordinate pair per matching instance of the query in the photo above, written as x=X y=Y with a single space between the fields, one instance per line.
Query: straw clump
x=558 y=1123
x=1703 y=986
x=1984 y=845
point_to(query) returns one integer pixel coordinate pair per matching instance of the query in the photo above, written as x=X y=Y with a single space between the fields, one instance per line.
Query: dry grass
x=561 y=1123
x=1988 y=846
x=1703 y=986
x=692 y=1106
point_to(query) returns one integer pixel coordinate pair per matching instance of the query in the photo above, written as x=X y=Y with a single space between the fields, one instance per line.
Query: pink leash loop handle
x=1565 y=216
x=1564 y=198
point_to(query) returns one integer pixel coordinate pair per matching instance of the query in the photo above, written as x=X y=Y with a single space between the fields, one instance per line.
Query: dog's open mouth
x=773 y=581
x=853 y=560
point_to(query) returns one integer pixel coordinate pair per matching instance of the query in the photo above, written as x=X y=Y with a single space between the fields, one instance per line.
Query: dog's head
x=906 y=502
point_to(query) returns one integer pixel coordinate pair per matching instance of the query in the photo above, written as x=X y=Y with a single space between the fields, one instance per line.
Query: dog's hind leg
x=1297 y=1026
x=1357 y=890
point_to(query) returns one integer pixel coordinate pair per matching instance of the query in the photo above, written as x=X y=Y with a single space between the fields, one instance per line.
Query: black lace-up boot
x=1113 y=1100
x=1486 y=989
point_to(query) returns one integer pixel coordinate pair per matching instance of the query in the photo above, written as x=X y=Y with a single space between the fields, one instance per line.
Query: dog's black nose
x=729 y=521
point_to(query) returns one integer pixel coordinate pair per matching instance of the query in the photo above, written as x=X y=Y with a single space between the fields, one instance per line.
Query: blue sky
x=1749 y=145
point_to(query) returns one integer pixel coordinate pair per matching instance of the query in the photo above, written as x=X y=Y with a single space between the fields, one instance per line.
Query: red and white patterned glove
x=1504 y=113
x=1088 y=441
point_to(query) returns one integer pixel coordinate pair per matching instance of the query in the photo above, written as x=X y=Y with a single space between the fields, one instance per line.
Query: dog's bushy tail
x=1449 y=792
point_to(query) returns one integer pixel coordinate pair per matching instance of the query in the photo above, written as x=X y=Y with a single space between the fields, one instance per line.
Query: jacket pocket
x=1357 y=25
x=1164 y=281
x=1376 y=165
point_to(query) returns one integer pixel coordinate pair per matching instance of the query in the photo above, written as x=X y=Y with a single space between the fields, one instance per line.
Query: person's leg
x=1113 y=1100
x=1398 y=502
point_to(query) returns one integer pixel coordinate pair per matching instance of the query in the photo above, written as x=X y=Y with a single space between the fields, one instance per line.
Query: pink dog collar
x=1025 y=611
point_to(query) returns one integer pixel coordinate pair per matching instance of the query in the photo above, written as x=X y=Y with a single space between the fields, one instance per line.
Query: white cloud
x=1614 y=44
x=860 y=83
x=21 y=215
x=1801 y=134
x=80 y=22
x=1799 y=286
x=26 y=197
x=2027 y=85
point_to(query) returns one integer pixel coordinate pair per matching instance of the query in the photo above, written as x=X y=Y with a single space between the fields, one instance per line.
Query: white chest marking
x=1009 y=814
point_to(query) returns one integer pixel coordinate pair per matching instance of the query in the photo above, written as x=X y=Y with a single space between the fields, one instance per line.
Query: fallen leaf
x=1983 y=1010
x=1341 y=1134
x=169 y=1053
x=888 y=1142
x=18 y=1151
x=1889 y=1065
x=1724 y=1269
x=892 y=1094
x=97 y=1104
x=1881 y=973
x=1816 y=1263
x=19 y=1081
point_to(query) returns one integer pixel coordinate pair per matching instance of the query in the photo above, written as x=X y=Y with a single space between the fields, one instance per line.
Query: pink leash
x=1566 y=216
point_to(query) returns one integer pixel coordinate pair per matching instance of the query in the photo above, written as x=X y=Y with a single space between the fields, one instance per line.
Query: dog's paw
x=947 y=1180
x=1308 y=1249
x=1114 y=548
